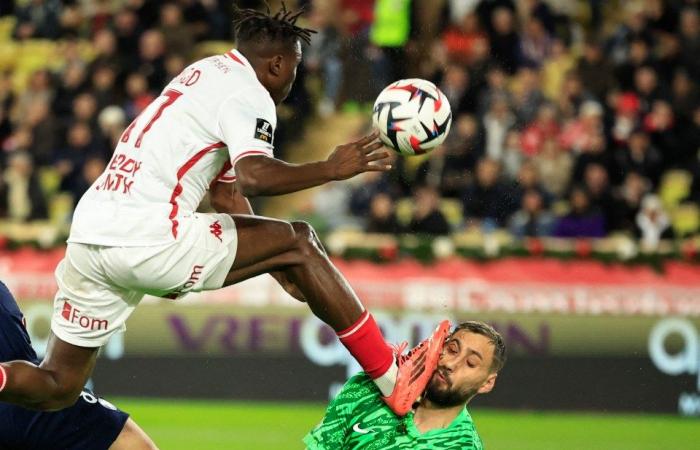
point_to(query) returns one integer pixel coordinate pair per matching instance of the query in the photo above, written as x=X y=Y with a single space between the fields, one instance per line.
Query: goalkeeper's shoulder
x=360 y=385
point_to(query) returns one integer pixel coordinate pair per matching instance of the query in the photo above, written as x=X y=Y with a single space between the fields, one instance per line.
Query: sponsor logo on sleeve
x=263 y=130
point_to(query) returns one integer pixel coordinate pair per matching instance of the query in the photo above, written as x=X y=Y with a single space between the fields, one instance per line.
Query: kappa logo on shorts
x=263 y=130
x=215 y=229
x=74 y=315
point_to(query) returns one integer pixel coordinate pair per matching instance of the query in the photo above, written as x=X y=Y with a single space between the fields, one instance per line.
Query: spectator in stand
x=487 y=201
x=496 y=86
x=528 y=96
x=355 y=18
x=382 y=215
x=639 y=156
x=43 y=127
x=684 y=97
x=449 y=167
x=152 y=59
x=597 y=183
x=456 y=86
x=668 y=56
x=372 y=183
x=572 y=96
x=322 y=58
x=89 y=171
x=661 y=126
x=532 y=219
x=628 y=201
x=555 y=69
x=177 y=36
x=104 y=87
x=690 y=40
x=596 y=153
x=543 y=128
x=653 y=224
x=626 y=118
x=579 y=135
x=595 y=71
x=497 y=121
x=427 y=217
x=582 y=221
x=513 y=155
x=111 y=122
x=535 y=43
x=7 y=99
x=71 y=83
x=38 y=19
x=79 y=147
x=104 y=44
x=647 y=88
x=137 y=95
x=84 y=110
x=21 y=197
x=39 y=88
x=504 y=39
x=619 y=45
x=639 y=56
x=461 y=40
x=690 y=144
x=127 y=30
x=528 y=179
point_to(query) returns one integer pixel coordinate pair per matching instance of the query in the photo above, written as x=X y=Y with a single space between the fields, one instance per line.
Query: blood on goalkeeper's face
x=463 y=370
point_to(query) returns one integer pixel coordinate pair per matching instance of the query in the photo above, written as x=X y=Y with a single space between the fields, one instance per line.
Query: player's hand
x=358 y=157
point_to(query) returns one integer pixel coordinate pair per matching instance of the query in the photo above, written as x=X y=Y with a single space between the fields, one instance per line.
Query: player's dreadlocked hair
x=251 y=25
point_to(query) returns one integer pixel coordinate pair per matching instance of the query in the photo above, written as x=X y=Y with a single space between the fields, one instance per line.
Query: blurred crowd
x=570 y=118
x=564 y=124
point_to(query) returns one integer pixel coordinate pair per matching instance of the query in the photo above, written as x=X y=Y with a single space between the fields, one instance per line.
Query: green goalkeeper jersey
x=358 y=419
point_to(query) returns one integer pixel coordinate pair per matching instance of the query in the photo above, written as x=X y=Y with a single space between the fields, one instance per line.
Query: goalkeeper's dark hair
x=494 y=337
x=251 y=25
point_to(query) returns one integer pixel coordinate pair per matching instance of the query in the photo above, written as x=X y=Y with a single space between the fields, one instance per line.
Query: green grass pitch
x=204 y=425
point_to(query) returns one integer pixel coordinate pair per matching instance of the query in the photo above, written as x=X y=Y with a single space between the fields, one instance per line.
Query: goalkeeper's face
x=463 y=371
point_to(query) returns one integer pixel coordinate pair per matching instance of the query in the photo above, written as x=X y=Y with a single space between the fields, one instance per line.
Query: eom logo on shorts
x=215 y=229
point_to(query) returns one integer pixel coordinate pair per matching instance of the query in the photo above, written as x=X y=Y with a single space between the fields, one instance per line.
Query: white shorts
x=99 y=287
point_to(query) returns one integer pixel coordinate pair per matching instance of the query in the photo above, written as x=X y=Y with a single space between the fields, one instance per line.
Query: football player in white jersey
x=136 y=232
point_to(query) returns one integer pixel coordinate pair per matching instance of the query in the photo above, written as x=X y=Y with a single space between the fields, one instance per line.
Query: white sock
x=386 y=382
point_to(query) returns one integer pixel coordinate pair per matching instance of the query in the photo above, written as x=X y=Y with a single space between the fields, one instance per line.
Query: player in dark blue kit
x=90 y=424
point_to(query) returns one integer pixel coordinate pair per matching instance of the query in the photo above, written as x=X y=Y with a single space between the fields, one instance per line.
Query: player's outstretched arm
x=55 y=384
x=262 y=176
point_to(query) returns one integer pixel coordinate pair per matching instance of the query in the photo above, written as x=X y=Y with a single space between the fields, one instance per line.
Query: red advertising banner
x=510 y=285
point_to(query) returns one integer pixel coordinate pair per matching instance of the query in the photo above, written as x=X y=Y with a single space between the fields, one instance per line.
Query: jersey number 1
x=170 y=96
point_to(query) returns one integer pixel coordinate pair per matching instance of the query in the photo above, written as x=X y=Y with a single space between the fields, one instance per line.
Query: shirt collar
x=237 y=57
x=462 y=419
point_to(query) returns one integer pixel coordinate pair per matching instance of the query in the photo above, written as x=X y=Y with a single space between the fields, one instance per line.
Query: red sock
x=3 y=377
x=365 y=342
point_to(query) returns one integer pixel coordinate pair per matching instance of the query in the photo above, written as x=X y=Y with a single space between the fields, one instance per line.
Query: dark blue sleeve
x=14 y=339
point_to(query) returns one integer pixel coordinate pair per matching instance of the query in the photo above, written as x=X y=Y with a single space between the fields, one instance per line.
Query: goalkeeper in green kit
x=357 y=419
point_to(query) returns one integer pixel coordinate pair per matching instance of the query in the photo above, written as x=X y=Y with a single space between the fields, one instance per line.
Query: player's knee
x=306 y=239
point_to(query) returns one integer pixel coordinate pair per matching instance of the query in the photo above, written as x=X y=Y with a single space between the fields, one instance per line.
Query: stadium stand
x=555 y=104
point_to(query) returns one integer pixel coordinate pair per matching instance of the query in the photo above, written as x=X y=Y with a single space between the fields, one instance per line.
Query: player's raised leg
x=55 y=384
x=267 y=245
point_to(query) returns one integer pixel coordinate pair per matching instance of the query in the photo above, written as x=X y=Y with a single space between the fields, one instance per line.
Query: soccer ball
x=412 y=116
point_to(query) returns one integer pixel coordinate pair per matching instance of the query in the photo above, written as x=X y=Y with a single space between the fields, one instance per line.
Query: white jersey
x=206 y=119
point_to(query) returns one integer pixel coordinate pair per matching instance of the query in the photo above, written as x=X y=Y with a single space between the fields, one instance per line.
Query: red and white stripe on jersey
x=233 y=56
x=180 y=174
